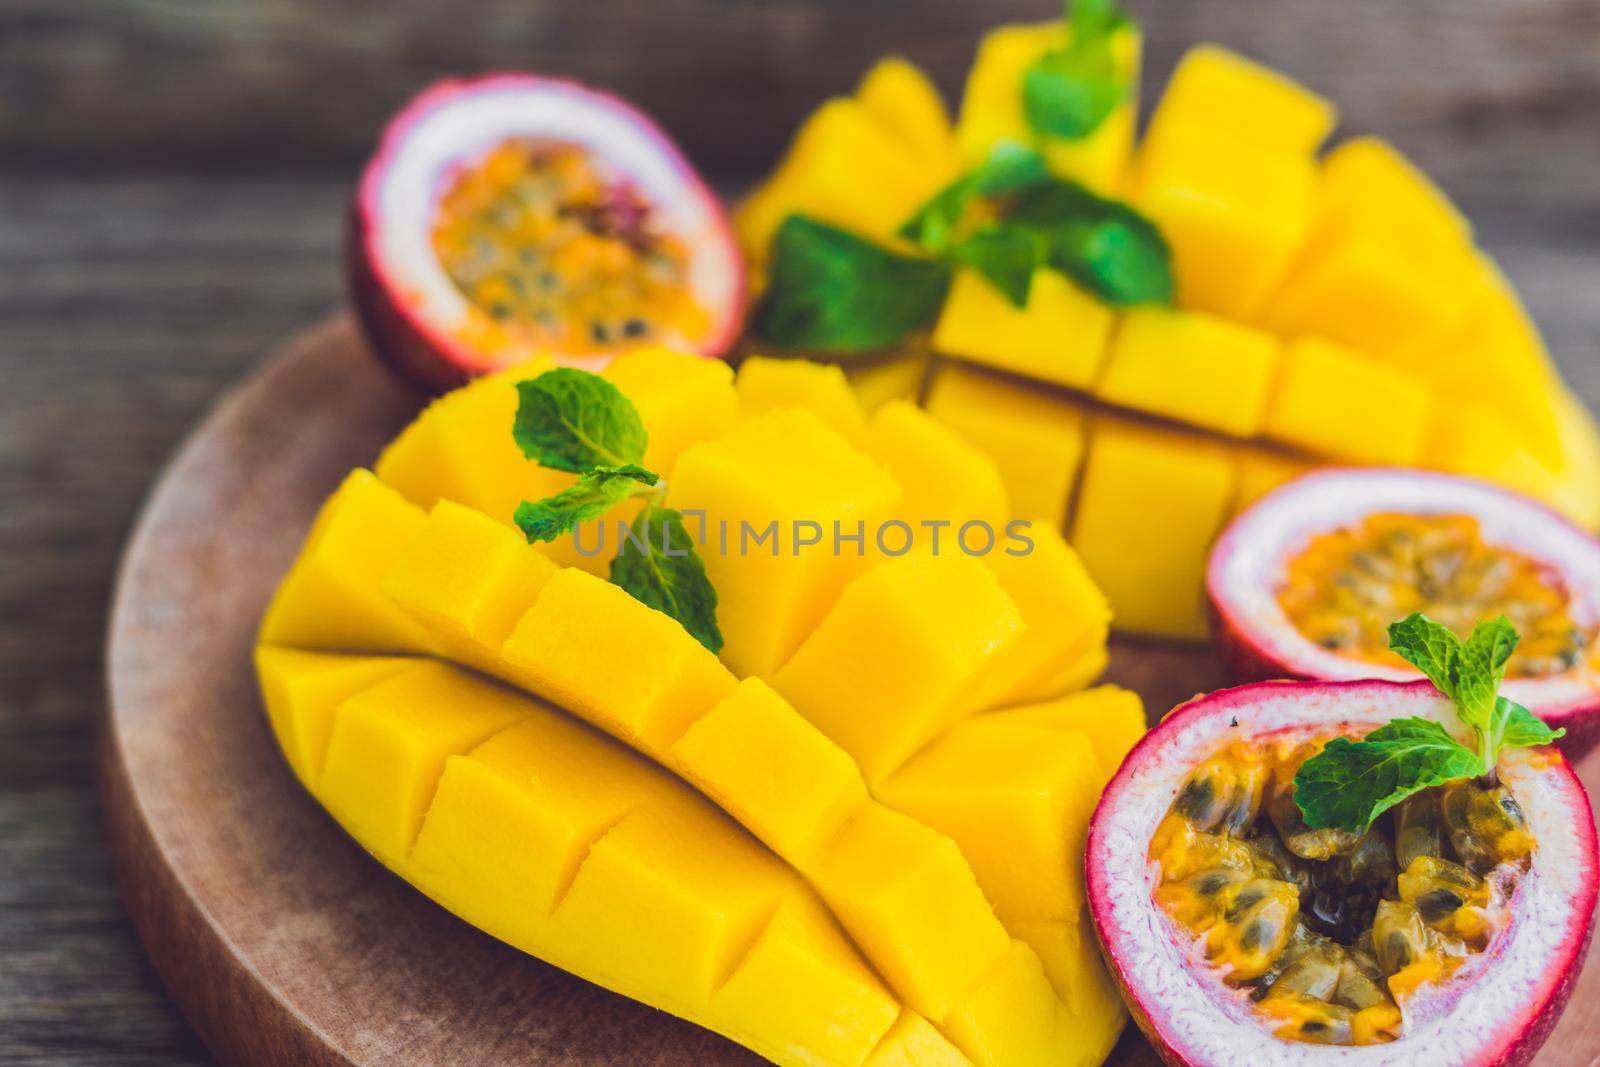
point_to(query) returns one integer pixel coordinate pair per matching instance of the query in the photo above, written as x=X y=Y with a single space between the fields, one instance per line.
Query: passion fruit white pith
x=1497 y=1008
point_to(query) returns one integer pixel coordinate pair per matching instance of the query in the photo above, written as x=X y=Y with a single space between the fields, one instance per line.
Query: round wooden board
x=282 y=941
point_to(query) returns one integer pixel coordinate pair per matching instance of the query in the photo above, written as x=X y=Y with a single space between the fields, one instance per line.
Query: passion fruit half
x=514 y=215
x=1450 y=932
x=1305 y=583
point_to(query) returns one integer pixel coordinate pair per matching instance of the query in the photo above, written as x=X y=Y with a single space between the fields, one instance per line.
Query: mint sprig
x=1010 y=168
x=575 y=421
x=1070 y=91
x=1350 y=783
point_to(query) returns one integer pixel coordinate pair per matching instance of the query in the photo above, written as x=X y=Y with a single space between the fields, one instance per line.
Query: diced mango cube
x=1013 y=1017
x=772 y=770
x=804 y=988
x=681 y=905
x=330 y=598
x=778 y=479
x=941 y=475
x=389 y=745
x=1366 y=181
x=303 y=691
x=899 y=656
x=1233 y=214
x=1192 y=367
x=767 y=384
x=1035 y=438
x=468 y=579
x=905 y=102
x=1065 y=619
x=1111 y=718
x=681 y=399
x=1060 y=336
x=880 y=379
x=914 y=1042
x=1471 y=440
x=1339 y=403
x=1213 y=88
x=581 y=644
x=1152 y=501
x=1016 y=799
x=992 y=108
x=908 y=898
x=1071 y=961
x=1261 y=470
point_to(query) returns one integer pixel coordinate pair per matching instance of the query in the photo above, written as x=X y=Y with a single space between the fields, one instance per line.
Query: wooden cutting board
x=281 y=940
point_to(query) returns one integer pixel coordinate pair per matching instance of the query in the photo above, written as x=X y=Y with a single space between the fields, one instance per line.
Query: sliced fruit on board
x=1305 y=584
x=993 y=111
x=1239 y=934
x=461 y=448
x=534 y=825
x=512 y=215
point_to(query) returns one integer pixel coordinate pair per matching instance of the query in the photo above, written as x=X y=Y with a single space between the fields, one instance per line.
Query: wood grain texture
x=282 y=940
x=1496 y=97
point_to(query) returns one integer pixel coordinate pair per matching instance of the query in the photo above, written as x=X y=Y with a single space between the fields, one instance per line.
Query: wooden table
x=150 y=252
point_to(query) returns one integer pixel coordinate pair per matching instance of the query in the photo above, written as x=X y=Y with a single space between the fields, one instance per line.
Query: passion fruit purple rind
x=1304 y=584
x=513 y=215
x=1450 y=932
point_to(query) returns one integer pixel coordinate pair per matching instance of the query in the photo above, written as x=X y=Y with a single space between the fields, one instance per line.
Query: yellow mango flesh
x=766 y=384
x=1067 y=951
x=907 y=104
x=330 y=597
x=682 y=399
x=901 y=656
x=1035 y=438
x=878 y=380
x=1014 y=1018
x=899 y=886
x=1060 y=336
x=1213 y=88
x=467 y=579
x=1111 y=718
x=773 y=771
x=1017 y=800
x=992 y=108
x=389 y=745
x=1334 y=402
x=941 y=476
x=915 y=1042
x=303 y=691
x=776 y=468
x=1065 y=619
x=1192 y=367
x=1151 y=503
x=580 y=645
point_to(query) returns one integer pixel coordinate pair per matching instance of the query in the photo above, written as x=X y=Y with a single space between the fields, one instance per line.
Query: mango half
x=826 y=844
x=1332 y=308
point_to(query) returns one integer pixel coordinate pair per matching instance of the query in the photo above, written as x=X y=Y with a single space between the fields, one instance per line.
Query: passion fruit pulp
x=1305 y=583
x=1451 y=931
x=513 y=215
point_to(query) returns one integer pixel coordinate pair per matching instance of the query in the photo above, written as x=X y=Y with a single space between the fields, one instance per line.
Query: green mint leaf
x=830 y=291
x=1007 y=258
x=572 y=420
x=1430 y=648
x=1482 y=668
x=658 y=566
x=1514 y=726
x=1104 y=245
x=1070 y=91
x=1350 y=783
x=1009 y=169
x=596 y=492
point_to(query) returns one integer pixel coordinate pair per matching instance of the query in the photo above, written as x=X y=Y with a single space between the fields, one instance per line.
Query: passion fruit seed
x=1345 y=588
x=1329 y=930
x=560 y=257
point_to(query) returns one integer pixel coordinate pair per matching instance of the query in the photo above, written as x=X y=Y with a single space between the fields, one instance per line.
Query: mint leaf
x=1468 y=672
x=1007 y=258
x=1514 y=726
x=667 y=574
x=1350 y=783
x=831 y=291
x=1009 y=169
x=1483 y=657
x=1430 y=648
x=572 y=420
x=596 y=492
x=1104 y=245
x=1070 y=91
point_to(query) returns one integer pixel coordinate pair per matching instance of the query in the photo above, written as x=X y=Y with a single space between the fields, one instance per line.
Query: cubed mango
x=303 y=691
x=1110 y=717
x=1060 y=336
x=1213 y=88
x=905 y=102
x=768 y=384
x=941 y=475
x=1333 y=401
